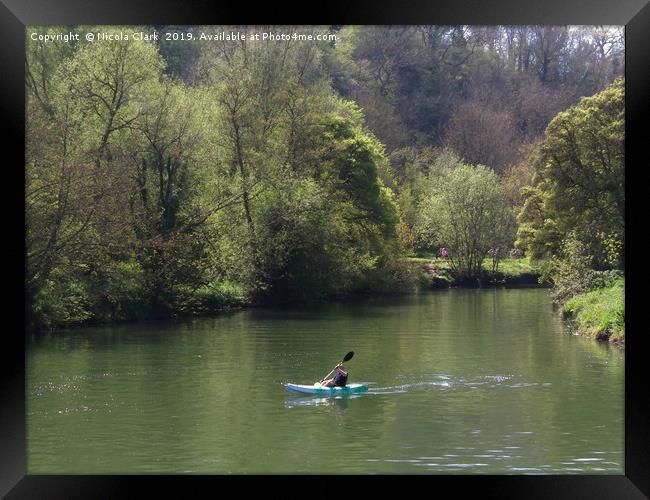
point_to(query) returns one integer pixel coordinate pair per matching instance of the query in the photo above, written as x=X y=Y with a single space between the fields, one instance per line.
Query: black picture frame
x=15 y=15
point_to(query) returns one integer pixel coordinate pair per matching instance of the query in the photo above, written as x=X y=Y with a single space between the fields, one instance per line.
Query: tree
x=481 y=135
x=467 y=212
x=323 y=234
x=481 y=89
x=537 y=233
x=580 y=179
x=167 y=157
x=77 y=183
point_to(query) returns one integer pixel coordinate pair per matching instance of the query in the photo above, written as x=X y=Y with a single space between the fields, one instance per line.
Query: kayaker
x=340 y=377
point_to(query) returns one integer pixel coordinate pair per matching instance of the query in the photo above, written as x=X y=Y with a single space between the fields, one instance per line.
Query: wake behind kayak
x=314 y=389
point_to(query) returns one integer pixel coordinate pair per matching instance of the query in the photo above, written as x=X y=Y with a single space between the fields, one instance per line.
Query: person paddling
x=340 y=378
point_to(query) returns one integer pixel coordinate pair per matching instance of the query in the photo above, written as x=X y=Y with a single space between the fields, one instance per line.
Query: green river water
x=460 y=382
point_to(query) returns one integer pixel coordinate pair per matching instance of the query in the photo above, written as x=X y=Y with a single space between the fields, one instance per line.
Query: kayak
x=315 y=389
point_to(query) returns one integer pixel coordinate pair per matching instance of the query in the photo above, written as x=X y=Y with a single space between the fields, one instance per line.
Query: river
x=460 y=382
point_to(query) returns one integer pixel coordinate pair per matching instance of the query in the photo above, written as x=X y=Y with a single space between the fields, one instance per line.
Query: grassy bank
x=436 y=272
x=599 y=313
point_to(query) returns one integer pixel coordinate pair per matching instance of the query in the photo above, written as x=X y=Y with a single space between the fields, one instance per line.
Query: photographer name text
x=182 y=36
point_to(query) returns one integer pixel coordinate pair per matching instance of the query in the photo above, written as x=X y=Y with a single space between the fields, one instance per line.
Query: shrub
x=216 y=296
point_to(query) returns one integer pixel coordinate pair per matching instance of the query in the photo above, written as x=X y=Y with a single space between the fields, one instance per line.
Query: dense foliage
x=147 y=196
x=574 y=214
x=172 y=178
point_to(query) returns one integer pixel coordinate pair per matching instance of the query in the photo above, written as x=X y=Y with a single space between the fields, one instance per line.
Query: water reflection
x=339 y=401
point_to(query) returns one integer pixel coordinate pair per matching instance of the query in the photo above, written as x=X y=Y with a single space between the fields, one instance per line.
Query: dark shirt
x=340 y=379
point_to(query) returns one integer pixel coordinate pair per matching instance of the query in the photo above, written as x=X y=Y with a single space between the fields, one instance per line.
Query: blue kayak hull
x=311 y=389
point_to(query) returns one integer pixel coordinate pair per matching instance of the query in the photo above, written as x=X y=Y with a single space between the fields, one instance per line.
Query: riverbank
x=599 y=314
x=436 y=273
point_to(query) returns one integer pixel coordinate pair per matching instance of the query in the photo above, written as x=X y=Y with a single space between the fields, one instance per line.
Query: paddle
x=347 y=357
